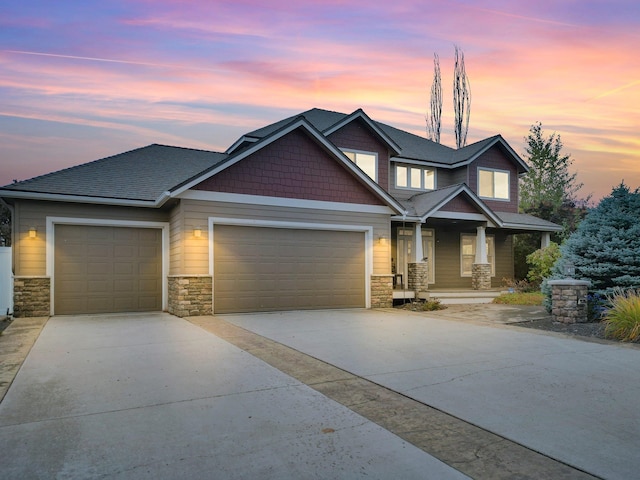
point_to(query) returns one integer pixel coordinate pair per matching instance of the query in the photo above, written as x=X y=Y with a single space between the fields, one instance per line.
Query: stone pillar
x=381 y=291
x=190 y=295
x=569 y=300
x=481 y=276
x=31 y=297
x=418 y=277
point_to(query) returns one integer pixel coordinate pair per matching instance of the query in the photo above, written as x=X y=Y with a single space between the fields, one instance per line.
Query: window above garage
x=367 y=161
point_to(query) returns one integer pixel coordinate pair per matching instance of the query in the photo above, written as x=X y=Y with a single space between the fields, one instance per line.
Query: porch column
x=546 y=240
x=418 y=249
x=418 y=279
x=481 y=245
x=481 y=269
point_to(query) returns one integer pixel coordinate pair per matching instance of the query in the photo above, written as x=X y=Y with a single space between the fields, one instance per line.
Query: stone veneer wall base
x=31 y=297
x=190 y=295
x=381 y=291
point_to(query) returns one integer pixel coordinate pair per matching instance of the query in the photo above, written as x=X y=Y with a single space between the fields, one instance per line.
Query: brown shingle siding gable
x=357 y=136
x=293 y=166
x=460 y=204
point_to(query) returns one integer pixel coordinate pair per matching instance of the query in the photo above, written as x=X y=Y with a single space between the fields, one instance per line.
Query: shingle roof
x=515 y=220
x=422 y=203
x=141 y=174
x=413 y=147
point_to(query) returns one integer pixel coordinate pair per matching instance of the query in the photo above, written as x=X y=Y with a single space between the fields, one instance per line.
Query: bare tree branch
x=461 y=99
x=434 y=118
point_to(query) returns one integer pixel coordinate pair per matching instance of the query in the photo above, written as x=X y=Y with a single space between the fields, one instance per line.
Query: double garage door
x=269 y=269
x=99 y=269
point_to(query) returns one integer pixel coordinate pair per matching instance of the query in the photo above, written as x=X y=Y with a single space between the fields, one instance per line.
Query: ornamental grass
x=622 y=320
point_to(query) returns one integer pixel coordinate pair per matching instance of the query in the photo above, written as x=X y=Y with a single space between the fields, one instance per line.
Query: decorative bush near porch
x=622 y=320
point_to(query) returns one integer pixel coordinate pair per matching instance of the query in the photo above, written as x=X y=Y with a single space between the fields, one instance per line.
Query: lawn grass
x=517 y=298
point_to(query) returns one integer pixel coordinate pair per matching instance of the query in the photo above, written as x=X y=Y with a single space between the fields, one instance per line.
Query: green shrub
x=541 y=262
x=520 y=286
x=622 y=320
x=520 y=298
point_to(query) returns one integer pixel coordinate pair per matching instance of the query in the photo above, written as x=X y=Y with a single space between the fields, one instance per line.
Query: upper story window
x=367 y=161
x=493 y=184
x=416 y=178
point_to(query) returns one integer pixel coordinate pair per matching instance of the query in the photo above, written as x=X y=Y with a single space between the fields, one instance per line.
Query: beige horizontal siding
x=30 y=253
x=195 y=252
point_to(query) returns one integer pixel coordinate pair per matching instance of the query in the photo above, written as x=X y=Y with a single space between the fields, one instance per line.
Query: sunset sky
x=81 y=80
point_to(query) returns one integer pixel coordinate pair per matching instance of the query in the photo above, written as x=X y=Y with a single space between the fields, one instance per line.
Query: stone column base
x=190 y=295
x=569 y=300
x=31 y=297
x=382 y=291
x=418 y=280
x=481 y=276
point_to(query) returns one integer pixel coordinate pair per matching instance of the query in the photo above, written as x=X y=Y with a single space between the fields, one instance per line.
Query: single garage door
x=267 y=269
x=107 y=269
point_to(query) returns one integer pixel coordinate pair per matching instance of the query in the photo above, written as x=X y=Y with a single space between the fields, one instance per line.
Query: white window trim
x=491 y=253
x=423 y=169
x=508 y=199
x=364 y=152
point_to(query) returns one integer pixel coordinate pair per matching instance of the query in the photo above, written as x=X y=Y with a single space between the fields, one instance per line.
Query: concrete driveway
x=154 y=396
x=572 y=400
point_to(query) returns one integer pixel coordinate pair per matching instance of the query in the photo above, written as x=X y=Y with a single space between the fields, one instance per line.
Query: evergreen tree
x=548 y=181
x=547 y=191
x=605 y=248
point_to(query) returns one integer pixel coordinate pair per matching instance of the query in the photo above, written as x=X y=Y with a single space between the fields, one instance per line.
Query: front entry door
x=405 y=253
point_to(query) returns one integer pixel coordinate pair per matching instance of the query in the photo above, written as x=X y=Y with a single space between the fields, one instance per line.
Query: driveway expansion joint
x=464 y=446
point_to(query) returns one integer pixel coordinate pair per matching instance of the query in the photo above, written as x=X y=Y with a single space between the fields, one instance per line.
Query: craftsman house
x=320 y=210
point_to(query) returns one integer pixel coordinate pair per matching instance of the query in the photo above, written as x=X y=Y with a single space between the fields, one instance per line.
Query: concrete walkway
x=573 y=401
x=154 y=396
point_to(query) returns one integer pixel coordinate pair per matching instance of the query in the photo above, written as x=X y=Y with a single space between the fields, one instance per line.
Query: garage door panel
x=107 y=269
x=262 y=269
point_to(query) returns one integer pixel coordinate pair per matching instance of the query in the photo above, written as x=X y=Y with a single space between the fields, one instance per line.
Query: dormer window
x=415 y=178
x=367 y=161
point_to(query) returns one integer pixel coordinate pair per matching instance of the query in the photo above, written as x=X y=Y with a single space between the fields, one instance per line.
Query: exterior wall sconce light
x=197 y=232
x=33 y=233
x=382 y=240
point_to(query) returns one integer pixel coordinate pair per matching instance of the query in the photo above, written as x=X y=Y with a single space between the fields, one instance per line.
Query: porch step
x=465 y=297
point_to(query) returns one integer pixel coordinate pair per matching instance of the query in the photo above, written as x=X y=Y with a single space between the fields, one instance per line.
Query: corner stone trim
x=381 y=291
x=31 y=297
x=190 y=295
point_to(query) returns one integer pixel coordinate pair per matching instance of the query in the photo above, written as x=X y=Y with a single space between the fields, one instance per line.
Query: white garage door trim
x=366 y=229
x=104 y=222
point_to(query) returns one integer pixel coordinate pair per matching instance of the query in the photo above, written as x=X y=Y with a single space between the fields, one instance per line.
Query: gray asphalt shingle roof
x=414 y=147
x=141 y=174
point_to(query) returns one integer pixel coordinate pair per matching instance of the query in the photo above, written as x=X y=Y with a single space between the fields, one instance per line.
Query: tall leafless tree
x=461 y=99
x=435 y=113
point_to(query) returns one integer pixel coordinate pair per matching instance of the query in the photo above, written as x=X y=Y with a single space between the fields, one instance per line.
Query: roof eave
x=58 y=197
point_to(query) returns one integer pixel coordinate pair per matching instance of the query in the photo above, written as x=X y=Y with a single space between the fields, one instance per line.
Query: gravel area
x=591 y=329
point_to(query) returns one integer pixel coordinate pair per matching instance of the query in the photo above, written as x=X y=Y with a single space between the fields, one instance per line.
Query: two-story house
x=319 y=210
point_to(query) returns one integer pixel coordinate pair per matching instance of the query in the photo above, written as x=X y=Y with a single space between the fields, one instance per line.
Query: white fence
x=6 y=281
